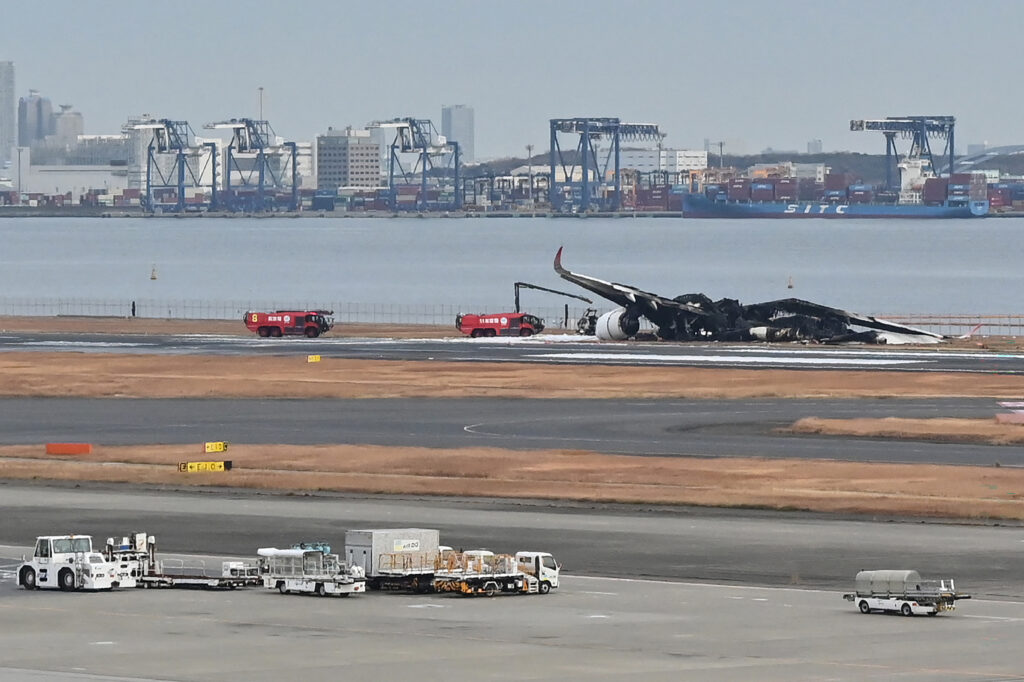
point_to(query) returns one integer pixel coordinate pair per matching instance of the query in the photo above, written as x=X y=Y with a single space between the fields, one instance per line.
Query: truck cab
x=542 y=566
x=68 y=562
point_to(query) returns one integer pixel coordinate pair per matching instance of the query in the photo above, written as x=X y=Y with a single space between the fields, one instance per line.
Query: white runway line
x=730 y=359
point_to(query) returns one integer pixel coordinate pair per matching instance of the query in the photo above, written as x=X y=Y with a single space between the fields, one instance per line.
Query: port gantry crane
x=563 y=194
x=918 y=129
x=419 y=136
x=254 y=140
x=176 y=139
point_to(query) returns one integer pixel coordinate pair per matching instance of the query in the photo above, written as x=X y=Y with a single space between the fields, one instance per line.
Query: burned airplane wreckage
x=695 y=317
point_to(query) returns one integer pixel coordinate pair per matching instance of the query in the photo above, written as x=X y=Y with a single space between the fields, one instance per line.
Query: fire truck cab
x=311 y=323
x=499 y=324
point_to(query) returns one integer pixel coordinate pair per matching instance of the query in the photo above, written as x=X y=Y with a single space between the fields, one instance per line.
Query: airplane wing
x=624 y=295
x=801 y=307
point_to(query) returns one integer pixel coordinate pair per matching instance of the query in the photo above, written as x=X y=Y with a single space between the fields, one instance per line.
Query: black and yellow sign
x=203 y=467
x=215 y=446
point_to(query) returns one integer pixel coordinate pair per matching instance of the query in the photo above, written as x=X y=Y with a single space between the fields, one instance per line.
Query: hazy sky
x=755 y=74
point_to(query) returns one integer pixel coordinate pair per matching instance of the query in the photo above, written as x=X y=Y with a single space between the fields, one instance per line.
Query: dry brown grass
x=915 y=490
x=139 y=376
x=944 y=429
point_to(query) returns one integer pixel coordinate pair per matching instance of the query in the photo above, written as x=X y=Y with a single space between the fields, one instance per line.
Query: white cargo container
x=394 y=558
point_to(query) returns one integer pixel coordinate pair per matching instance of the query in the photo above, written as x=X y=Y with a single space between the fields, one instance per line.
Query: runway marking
x=728 y=359
x=427 y=606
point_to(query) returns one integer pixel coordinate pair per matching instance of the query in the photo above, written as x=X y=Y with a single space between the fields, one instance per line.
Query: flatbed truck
x=904 y=592
x=482 y=572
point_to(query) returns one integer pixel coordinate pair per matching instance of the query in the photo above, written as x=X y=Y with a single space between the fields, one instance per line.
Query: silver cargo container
x=887 y=582
x=392 y=552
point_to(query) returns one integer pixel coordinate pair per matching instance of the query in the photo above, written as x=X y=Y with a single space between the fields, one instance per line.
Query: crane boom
x=527 y=285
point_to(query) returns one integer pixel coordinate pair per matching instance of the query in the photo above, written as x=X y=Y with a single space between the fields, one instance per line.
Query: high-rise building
x=67 y=126
x=8 y=111
x=35 y=119
x=457 y=125
x=814 y=147
x=347 y=158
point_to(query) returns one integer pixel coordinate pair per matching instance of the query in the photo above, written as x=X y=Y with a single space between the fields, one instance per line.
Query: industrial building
x=347 y=158
x=8 y=112
x=668 y=160
x=457 y=125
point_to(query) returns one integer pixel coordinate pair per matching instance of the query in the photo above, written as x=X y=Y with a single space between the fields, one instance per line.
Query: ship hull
x=699 y=206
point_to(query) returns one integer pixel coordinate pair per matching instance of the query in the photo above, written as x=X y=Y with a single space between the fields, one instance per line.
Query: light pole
x=260 y=89
x=529 y=171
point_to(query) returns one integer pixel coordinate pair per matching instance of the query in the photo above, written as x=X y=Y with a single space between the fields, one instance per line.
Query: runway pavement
x=737 y=626
x=547 y=348
x=712 y=428
x=729 y=546
x=589 y=629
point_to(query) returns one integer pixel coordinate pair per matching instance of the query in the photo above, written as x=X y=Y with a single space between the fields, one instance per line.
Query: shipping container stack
x=978 y=187
x=935 y=191
x=959 y=188
x=809 y=190
x=1000 y=196
x=716 y=192
x=786 y=189
x=762 y=190
x=861 y=194
x=653 y=199
x=739 y=189
x=838 y=181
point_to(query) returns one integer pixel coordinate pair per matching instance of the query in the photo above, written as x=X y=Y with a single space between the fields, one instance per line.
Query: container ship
x=961 y=195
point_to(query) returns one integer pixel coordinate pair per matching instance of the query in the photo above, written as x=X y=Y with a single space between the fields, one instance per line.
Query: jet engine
x=617 y=325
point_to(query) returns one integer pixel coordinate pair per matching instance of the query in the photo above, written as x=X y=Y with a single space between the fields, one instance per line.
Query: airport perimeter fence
x=441 y=314
x=555 y=317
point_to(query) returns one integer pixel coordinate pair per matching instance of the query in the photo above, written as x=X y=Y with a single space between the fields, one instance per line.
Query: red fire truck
x=499 y=324
x=311 y=323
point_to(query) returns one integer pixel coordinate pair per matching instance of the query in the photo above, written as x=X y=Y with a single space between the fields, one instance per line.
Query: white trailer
x=394 y=558
x=903 y=591
x=482 y=572
x=69 y=562
x=139 y=550
x=309 y=571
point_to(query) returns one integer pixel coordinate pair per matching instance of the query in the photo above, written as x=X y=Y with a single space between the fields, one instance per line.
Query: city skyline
x=754 y=75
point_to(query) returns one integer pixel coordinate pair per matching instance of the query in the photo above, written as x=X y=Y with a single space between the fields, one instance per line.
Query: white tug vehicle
x=69 y=562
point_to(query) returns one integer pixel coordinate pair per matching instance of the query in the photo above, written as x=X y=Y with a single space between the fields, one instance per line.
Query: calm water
x=873 y=266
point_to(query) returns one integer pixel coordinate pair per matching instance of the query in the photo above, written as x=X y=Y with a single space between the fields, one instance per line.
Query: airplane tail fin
x=974 y=330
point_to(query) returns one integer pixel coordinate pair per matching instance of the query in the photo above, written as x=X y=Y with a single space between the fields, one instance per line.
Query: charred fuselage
x=697 y=317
